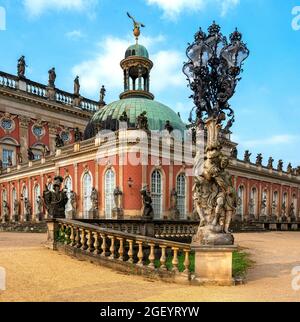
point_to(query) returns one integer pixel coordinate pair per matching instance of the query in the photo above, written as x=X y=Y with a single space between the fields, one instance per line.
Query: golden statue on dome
x=136 y=27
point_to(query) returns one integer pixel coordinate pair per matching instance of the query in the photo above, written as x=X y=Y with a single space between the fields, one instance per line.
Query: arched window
x=24 y=196
x=294 y=201
x=109 y=187
x=86 y=190
x=284 y=199
x=181 y=197
x=275 y=203
x=156 y=191
x=241 y=206
x=68 y=186
x=4 y=198
x=254 y=200
x=13 y=199
x=36 y=194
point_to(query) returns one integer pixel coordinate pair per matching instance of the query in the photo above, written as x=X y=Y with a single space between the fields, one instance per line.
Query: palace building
x=46 y=132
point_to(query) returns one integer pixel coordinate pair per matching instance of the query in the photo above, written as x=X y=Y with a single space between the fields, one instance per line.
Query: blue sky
x=89 y=38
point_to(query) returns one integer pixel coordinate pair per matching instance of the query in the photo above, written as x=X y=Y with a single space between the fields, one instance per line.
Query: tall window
x=4 y=198
x=275 y=202
x=6 y=154
x=36 y=194
x=68 y=186
x=284 y=200
x=295 y=205
x=156 y=191
x=25 y=195
x=181 y=198
x=87 y=190
x=254 y=199
x=241 y=207
x=110 y=185
x=13 y=199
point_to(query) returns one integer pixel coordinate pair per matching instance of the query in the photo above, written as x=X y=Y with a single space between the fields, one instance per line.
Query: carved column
x=24 y=137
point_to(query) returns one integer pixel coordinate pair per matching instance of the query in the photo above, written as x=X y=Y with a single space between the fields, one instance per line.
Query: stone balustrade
x=120 y=250
x=42 y=91
x=37 y=89
x=166 y=229
x=7 y=80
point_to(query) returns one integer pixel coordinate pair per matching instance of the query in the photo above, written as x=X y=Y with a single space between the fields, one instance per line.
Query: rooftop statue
x=289 y=169
x=136 y=27
x=76 y=86
x=52 y=77
x=247 y=156
x=270 y=163
x=102 y=94
x=21 y=67
x=280 y=165
x=142 y=121
x=259 y=159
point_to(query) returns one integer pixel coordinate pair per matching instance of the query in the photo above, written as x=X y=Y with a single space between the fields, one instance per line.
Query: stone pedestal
x=52 y=228
x=273 y=227
x=93 y=214
x=117 y=213
x=213 y=265
x=284 y=227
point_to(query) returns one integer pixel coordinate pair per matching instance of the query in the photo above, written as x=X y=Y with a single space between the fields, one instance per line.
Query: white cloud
x=173 y=8
x=38 y=7
x=226 y=5
x=104 y=67
x=74 y=34
x=273 y=140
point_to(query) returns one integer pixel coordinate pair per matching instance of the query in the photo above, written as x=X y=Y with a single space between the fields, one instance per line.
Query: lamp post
x=213 y=69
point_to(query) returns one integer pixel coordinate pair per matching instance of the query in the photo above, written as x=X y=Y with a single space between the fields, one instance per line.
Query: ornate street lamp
x=213 y=70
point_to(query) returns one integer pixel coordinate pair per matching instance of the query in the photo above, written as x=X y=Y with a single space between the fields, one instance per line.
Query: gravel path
x=35 y=273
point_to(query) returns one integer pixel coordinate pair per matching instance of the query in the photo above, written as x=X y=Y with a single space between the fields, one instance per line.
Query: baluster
x=112 y=247
x=90 y=242
x=121 y=249
x=186 y=261
x=138 y=230
x=77 y=238
x=163 y=258
x=140 y=254
x=72 y=237
x=103 y=246
x=66 y=235
x=175 y=259
x=96 y=243
x=164 y=232
x=130 y=251
x=83 y=240
x=151 y=256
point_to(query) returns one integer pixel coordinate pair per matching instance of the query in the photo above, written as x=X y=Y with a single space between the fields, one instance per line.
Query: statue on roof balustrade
x=52 y=77
x=76 y=86
x=21 y=67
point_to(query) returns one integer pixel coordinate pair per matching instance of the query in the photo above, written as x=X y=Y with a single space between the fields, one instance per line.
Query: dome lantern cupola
x=136 y=67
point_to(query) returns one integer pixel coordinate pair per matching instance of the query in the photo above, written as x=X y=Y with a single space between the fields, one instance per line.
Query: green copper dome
x=157 y=114
x=137 y=50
